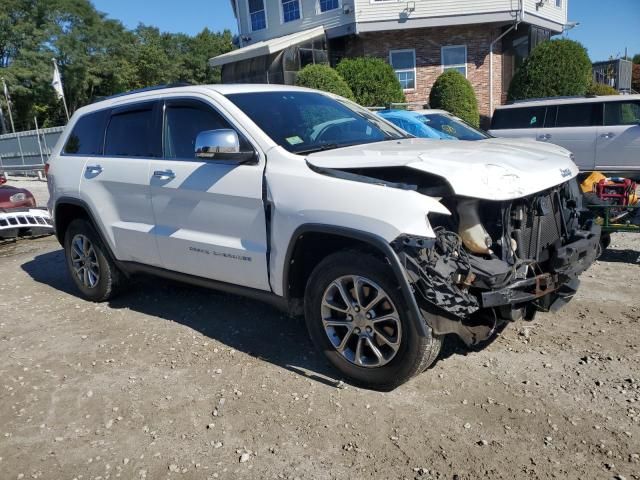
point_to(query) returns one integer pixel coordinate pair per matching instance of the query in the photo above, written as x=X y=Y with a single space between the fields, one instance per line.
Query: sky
x=606 y=27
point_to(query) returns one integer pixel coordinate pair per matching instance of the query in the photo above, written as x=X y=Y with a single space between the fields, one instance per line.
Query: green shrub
x=554 y=68
x=323 y=77
x=372 y=81
x=454 y=93
x=601 y=89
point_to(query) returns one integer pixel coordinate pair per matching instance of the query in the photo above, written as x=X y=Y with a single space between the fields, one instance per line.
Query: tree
x=372 y=81
x=636 y=59
x=323 y=77
x=554 y=68
x=601 y=89
x=453 y=92
x=97 y=56
x=635 y=78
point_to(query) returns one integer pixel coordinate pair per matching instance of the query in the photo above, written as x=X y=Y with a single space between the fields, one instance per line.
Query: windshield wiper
x=320 y=148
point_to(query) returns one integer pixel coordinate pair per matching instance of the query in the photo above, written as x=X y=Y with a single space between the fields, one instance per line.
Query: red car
x=19 y=215
x=12 y=197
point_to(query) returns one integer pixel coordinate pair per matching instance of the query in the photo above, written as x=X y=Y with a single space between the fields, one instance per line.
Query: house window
x=404 y=63
x=258 y=15
x=559 y=3
x=327 y=5
x=290 y=10
x=454 y=57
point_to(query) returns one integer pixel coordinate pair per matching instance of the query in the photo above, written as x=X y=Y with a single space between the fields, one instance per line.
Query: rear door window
x=622 y=113
x=517 y=118
x=579 y=115
x=134 y=131
x=87 y=136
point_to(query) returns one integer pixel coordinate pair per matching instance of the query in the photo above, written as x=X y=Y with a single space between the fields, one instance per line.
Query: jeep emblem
x=565 y=172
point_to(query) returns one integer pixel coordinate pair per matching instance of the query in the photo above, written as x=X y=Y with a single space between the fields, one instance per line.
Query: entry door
x=116 y=184
x=210 y=218
x=619 y=138
x=575 y=128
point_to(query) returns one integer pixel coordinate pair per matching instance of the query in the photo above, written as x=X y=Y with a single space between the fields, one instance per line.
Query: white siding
x=396 y=10
x=370 y=11
x=310 y=19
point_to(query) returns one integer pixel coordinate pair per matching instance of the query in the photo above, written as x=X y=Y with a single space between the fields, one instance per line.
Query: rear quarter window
x=87 y=136
x=517 y=118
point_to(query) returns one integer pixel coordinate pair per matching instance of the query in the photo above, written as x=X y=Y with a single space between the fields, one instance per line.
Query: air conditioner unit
x=347 y=9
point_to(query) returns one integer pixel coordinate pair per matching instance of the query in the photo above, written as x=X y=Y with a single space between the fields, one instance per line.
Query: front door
x=619 y=138
x=210 y=217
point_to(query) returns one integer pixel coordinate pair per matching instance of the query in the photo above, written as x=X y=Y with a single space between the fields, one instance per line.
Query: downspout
x=492 y=44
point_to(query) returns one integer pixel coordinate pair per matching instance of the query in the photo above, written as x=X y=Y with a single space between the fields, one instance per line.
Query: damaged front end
x=497 y=261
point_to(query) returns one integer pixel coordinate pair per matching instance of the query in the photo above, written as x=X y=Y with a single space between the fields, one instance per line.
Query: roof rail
x=142 y=90
x=541 y=99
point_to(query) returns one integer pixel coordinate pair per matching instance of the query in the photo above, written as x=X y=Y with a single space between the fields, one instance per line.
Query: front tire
x=357 y=317
x=92 y=270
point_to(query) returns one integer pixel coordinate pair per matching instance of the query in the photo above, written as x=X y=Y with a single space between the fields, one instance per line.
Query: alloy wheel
x=361 y=321
x=84 y=261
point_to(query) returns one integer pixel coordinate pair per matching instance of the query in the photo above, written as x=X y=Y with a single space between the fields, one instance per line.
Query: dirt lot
x=170 y=381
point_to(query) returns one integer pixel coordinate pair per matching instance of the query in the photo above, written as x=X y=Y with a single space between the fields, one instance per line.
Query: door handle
x=545 y=136
x=164 y=174
x=608 y=135
x=94 y=169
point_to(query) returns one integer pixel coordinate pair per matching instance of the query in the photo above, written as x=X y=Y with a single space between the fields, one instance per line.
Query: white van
x=602 y=132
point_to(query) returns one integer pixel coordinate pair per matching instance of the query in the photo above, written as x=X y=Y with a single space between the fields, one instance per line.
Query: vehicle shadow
x=242 y=324
x=246 y=325
x=620 y=256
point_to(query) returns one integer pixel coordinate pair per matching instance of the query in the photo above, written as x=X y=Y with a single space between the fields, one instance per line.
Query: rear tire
x=91 y=268
x=375 y=345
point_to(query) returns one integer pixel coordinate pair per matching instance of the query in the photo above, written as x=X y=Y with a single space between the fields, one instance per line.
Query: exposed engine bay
x=491 y=261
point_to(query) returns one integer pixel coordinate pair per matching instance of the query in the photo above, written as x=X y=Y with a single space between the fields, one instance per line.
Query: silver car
x=602 y=132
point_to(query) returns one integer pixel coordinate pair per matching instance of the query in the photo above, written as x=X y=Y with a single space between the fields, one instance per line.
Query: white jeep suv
x=384 y=242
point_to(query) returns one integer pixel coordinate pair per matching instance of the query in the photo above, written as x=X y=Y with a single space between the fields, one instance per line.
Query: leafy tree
x=323 y=77
x=372 y=81
x=601 y=89
x=636 y=59
x=554 y=68
x=97 y=56
x=635 y=78
x=453 y=92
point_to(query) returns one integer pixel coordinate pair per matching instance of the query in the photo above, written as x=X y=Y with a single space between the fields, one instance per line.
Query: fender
x=376 y=242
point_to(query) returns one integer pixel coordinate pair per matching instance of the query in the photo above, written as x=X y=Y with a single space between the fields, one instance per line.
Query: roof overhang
x=267 y=47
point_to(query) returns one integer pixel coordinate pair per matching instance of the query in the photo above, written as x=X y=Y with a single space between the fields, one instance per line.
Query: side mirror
x=222 y=144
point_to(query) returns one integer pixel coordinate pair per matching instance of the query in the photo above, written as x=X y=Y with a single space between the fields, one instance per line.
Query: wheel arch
x=68 y=209
x=310 y=243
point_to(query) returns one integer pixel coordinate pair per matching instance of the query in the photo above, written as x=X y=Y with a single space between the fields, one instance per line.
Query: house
x=485 y=40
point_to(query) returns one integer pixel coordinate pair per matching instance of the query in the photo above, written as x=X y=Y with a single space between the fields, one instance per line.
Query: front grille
x=537 y=225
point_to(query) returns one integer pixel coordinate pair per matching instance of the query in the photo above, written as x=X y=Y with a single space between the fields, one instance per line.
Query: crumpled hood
x=494 y=169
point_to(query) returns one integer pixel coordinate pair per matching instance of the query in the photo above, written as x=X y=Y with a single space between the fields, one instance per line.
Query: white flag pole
x=13 y=127
x=57 y=86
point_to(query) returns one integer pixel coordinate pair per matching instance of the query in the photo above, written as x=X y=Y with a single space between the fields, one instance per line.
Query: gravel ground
x=170 y=381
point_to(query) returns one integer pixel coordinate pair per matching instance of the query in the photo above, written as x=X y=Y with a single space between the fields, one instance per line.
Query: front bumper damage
x=17 y=221
x=472 y=295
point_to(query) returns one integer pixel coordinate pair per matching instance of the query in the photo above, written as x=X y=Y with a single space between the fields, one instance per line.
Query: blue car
x=436 y=124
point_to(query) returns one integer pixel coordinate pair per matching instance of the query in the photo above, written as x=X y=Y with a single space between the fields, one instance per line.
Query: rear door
x=517 y=122
x=210 y=217
x=574 y=126
x=116 y=183
x=618 y=140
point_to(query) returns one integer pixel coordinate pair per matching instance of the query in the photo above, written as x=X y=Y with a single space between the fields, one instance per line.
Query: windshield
x=414 y=125
x=306 y=122
x=452 y=127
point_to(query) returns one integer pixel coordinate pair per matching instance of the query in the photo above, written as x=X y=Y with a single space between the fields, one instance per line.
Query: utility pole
x=13 y=127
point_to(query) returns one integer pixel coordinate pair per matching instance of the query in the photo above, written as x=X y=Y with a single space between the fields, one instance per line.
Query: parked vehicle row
x=385 y=242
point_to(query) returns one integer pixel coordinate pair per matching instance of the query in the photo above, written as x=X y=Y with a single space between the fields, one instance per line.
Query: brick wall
x=427 y=43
